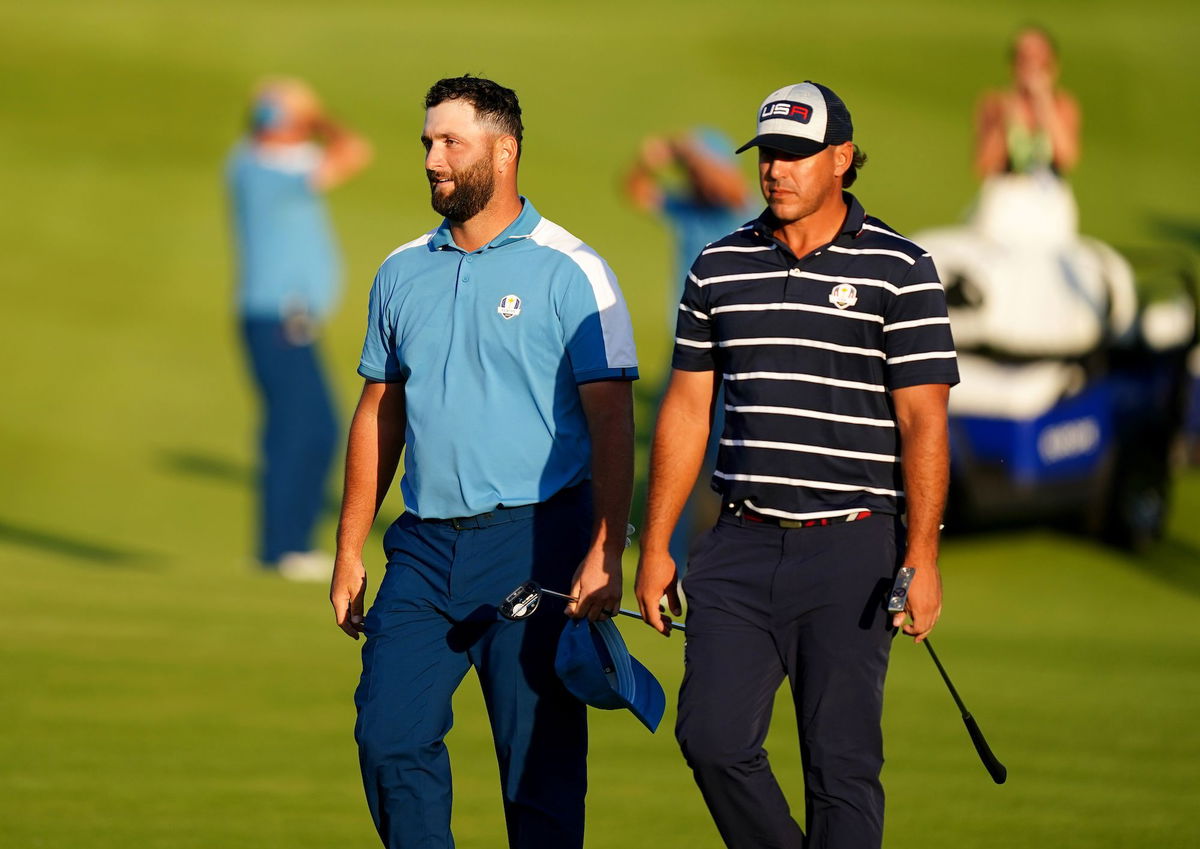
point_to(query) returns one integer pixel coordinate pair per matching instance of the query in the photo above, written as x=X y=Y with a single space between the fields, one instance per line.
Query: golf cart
x=1074 y=376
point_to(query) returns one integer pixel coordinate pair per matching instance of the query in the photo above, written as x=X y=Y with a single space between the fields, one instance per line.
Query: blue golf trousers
x=298 y=437
x=807 y=605
x=435 y=616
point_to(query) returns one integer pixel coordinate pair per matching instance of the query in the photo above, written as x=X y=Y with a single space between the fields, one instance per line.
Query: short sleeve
x=918 y=345
x=597 y=330
x=380 y=361
x=695 y=345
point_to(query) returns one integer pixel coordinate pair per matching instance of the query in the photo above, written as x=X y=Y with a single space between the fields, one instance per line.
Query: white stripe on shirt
x=930 y=355
x=891 y=233
x=919 y=287
x=736 y=249
x=731 y=278
x=615 y=326
x=805 y=378
x=801 y=343
x=861 y=316
x=837 y=487
x=865 y=281
x=873 y=252
x=808 y=414
x=919 y=322
x=415 y=243
x=809 y=449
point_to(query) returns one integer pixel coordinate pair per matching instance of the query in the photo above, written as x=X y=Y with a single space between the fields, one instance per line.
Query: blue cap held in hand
x=597 y=669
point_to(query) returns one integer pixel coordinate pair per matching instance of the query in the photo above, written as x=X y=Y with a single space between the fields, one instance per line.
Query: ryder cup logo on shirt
x=843 y=295
x=510 y=305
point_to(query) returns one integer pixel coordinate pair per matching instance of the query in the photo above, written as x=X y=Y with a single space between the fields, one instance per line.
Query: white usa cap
x=802 y=119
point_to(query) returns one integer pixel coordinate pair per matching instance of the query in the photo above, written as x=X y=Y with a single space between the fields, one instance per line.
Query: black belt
x=752 y=515
x=496 y=516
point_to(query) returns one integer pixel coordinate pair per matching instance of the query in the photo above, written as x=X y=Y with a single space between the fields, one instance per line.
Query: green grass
x=157 y=692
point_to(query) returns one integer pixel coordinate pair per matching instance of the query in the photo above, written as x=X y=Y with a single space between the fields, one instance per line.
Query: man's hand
x=924 y=602
x=596 y=586
x=656 y=578
x=346 y=593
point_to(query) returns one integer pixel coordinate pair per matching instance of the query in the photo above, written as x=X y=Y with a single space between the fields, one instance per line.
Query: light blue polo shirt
x=491 y=347
x=287 y=260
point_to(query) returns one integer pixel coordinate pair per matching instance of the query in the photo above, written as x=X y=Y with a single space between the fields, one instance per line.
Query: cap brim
x=649 y=702
x=788 y=144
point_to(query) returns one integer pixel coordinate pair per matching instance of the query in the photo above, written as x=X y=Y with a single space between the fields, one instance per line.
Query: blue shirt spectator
x=287 y=286
x=693 y=182
x=287 y=259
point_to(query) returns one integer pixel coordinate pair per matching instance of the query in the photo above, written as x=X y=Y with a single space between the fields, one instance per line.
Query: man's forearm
x=716 y=180
x=609 y=412
x=925 y=459
x=680 y=440
x=372 y=455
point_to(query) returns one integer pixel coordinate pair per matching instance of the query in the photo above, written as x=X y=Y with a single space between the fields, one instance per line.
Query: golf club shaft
x=675 y=626
x=949 y=684
x=623 y=611
x=996 y=770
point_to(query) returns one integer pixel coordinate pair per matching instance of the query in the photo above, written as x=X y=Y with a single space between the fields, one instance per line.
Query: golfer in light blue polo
x=499 y=358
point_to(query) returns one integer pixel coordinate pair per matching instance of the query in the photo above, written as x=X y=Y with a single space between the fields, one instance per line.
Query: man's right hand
x=655 y=579
x=346 y=594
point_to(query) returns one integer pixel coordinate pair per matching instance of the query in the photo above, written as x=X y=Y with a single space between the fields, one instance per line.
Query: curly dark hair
x=860 y=159
x=494 y=104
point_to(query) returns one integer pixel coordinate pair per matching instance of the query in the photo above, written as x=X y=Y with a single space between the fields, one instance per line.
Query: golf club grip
x=996 y=769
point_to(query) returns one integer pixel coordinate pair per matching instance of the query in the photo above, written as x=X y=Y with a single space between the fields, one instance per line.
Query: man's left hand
x=924 y=602
x=596 y=586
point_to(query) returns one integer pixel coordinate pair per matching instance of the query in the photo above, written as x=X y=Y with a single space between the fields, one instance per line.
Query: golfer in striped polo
x=829 y=332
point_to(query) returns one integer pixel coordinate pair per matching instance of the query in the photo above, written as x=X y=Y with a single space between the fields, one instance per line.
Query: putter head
x=521 y=602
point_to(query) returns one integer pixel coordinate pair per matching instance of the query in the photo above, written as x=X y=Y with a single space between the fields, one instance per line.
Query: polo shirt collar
x=856 y=216
x=522 y=227
x=852 y=225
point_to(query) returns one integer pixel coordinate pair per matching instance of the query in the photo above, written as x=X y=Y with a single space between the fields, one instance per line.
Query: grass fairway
x=157 y=692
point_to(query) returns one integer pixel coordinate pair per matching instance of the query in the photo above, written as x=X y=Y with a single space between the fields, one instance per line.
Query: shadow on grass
x=1176 y=228
x=1172 y=561
x=207 y=466
x=74 y=548
x=211 y=467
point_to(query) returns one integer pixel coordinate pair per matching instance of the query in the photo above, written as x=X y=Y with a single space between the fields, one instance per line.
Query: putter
x=523 y=601
x=991 y=763
x=995 y=769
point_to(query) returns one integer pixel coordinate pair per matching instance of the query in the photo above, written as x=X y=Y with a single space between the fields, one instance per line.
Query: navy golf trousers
x=435 y=617
x=806 y=604
x=298 y=439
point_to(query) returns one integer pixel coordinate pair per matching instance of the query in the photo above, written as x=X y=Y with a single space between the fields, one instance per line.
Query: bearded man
x=499 y=358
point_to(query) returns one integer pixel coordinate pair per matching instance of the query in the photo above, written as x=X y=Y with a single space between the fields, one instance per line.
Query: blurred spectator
x=1034 y=125
x=693 y=182
x=1021 y=279
x=288 y=280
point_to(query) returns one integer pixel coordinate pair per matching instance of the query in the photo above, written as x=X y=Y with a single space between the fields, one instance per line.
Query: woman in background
x=1034 y=125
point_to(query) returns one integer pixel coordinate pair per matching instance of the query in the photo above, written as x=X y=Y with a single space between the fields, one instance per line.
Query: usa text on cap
x=802 y=119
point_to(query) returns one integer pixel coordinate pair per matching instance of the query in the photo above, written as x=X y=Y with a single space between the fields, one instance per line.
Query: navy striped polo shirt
x=809 y=350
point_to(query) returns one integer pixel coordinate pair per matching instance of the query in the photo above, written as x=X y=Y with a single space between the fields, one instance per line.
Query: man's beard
x=473 y=189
